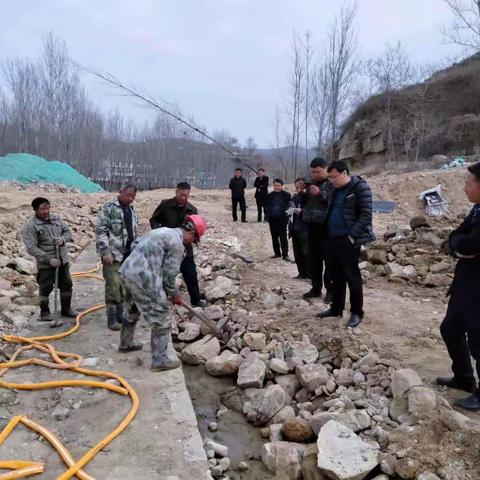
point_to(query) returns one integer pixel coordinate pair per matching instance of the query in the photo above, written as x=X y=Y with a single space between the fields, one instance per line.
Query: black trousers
x=461 y=331
x=46 y=281
x=300 y=251
x=342 y=259
x=236 y=201
x=188 y=270
x=261 y=206
x=278 y=231
x=318 y=267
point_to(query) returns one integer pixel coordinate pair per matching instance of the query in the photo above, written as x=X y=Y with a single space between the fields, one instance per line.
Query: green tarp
x=26 y=168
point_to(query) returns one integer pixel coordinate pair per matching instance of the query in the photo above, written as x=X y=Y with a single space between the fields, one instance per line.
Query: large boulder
x=201 y=351
x=261 y=409
x=343 y=455
x=304 y=351
x=403 y=380
x=421 y=401
x=223 y=365
x=284 y=459
x=312 y=376
x=191 y=332
x=289 y=383
x=255 y=341
x=251 y=372
x=22 y=265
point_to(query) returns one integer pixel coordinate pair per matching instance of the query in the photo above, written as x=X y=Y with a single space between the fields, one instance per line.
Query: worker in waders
x=46 y=236
x=149 y=275
x=461 y=327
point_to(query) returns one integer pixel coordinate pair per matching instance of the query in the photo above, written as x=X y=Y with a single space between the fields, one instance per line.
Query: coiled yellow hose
x=25 y=468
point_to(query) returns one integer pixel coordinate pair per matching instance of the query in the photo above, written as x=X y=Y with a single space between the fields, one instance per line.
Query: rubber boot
x=121 y=313
x=45 y=315
x=66 y=307
x=159 y=344
x=126 y=338
x=112 y=322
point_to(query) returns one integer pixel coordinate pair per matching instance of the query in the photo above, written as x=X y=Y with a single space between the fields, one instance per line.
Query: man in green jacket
x=45 y=237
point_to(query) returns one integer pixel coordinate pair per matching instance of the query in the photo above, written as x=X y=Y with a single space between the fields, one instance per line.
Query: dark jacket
x=238 y=186
x=296 y=223
x=261 y=185
x=316 y=206
x=357 y=211
x=283 y=198
x=169 y=214
x=465 y=240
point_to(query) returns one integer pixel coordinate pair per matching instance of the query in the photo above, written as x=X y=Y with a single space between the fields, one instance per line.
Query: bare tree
x=279 y=152
x=308 y=60
x=341 y=65
x=464 y=29
x=387 y=73
x=320 y=103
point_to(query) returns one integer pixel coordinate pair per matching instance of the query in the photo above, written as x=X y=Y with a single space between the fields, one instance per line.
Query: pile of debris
x=11 y=185
x=336 y=410
x=415 y=253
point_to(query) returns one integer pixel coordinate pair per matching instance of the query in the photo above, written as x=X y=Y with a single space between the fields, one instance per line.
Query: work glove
x=59 y=241
x=107 y=259
x=177 y=299
x=55 y=262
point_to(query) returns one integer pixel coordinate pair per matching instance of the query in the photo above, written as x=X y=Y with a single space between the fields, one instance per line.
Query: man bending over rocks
x=45 y=237
x=149 y=275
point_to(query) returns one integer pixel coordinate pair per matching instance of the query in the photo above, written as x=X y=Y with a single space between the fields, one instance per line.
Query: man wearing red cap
x=149 y=275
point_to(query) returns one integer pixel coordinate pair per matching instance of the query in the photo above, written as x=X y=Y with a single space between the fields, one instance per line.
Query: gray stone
x=284 y=415
x=243 y=467
x=191 y=332
x=201 y=351
x=225 y=364
x=224 y=463
x=344 y=377
x=251 y=372
x=255 y=341
x=387 y=463
x=272 y=301
x=407 y=468
x=220 y=288
x=219 y=449
x=421 y=401
x=289 y=383
x=320 y=419
x=213 y=312
x=279 y=366
x=304 y=351
x=60 y=413
x=343 y=455
x=312 y=376
x=22 y=265
x=403 y=380
x=284 y=459
x=427 y=476
x=266 y=404
x=368 y=361
x=310 y=470
x=275 y=432
x=356 y=420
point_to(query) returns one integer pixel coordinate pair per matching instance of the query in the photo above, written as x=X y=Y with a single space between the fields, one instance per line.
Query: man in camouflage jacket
x=116 y=230
x=149 y=275
x=45 y=237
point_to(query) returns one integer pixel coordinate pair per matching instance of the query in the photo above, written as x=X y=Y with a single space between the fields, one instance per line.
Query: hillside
x=438 y=116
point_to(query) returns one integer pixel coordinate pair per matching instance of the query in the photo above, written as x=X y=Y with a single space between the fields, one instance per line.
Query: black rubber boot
x=466 y=385
x=472 y=403
x=312 y=294
x=126 y=338
x=112 y=322
x=45 y=315
x=329 y=313
x=355 y=320
x=66 y=307
x=159 y=344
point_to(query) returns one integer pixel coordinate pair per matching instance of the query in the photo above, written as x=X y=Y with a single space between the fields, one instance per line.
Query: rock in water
x=266 y=405
x=225 y=364
x=343 y=455
x=251 y=372
x=201 y=351
x=284 y=459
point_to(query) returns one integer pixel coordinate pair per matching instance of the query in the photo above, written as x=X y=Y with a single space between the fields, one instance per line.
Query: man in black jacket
x=349 y=226
x=261 y=193
x=461 y=327
x=297 y=228
x=314 y=215
x=278 y=203
x=171 y=213
x=238 y=185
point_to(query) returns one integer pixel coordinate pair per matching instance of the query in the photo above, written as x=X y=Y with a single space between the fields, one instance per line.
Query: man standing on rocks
x=348 y=227
x=238 y=185
x=116 y=230
x=314 y=214
x=171 y=214
x=461 y=327
x=149 y=275
x=261 y=193
x=45 y=237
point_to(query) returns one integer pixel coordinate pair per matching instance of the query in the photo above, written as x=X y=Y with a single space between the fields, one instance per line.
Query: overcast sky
x=223 y=61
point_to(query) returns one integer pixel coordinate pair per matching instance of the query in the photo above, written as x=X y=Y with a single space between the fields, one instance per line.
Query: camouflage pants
x=138 y=302
x=114 y=288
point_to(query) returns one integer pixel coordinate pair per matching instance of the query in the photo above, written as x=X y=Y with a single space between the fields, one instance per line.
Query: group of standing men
x=329 y=218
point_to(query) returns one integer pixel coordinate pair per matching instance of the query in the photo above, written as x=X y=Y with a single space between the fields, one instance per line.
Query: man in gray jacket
x=45 y=237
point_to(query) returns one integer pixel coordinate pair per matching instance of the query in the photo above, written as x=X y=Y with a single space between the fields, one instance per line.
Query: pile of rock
x=415 y=253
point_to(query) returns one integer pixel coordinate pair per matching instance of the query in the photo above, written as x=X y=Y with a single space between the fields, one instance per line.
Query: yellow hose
x=24 y=468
